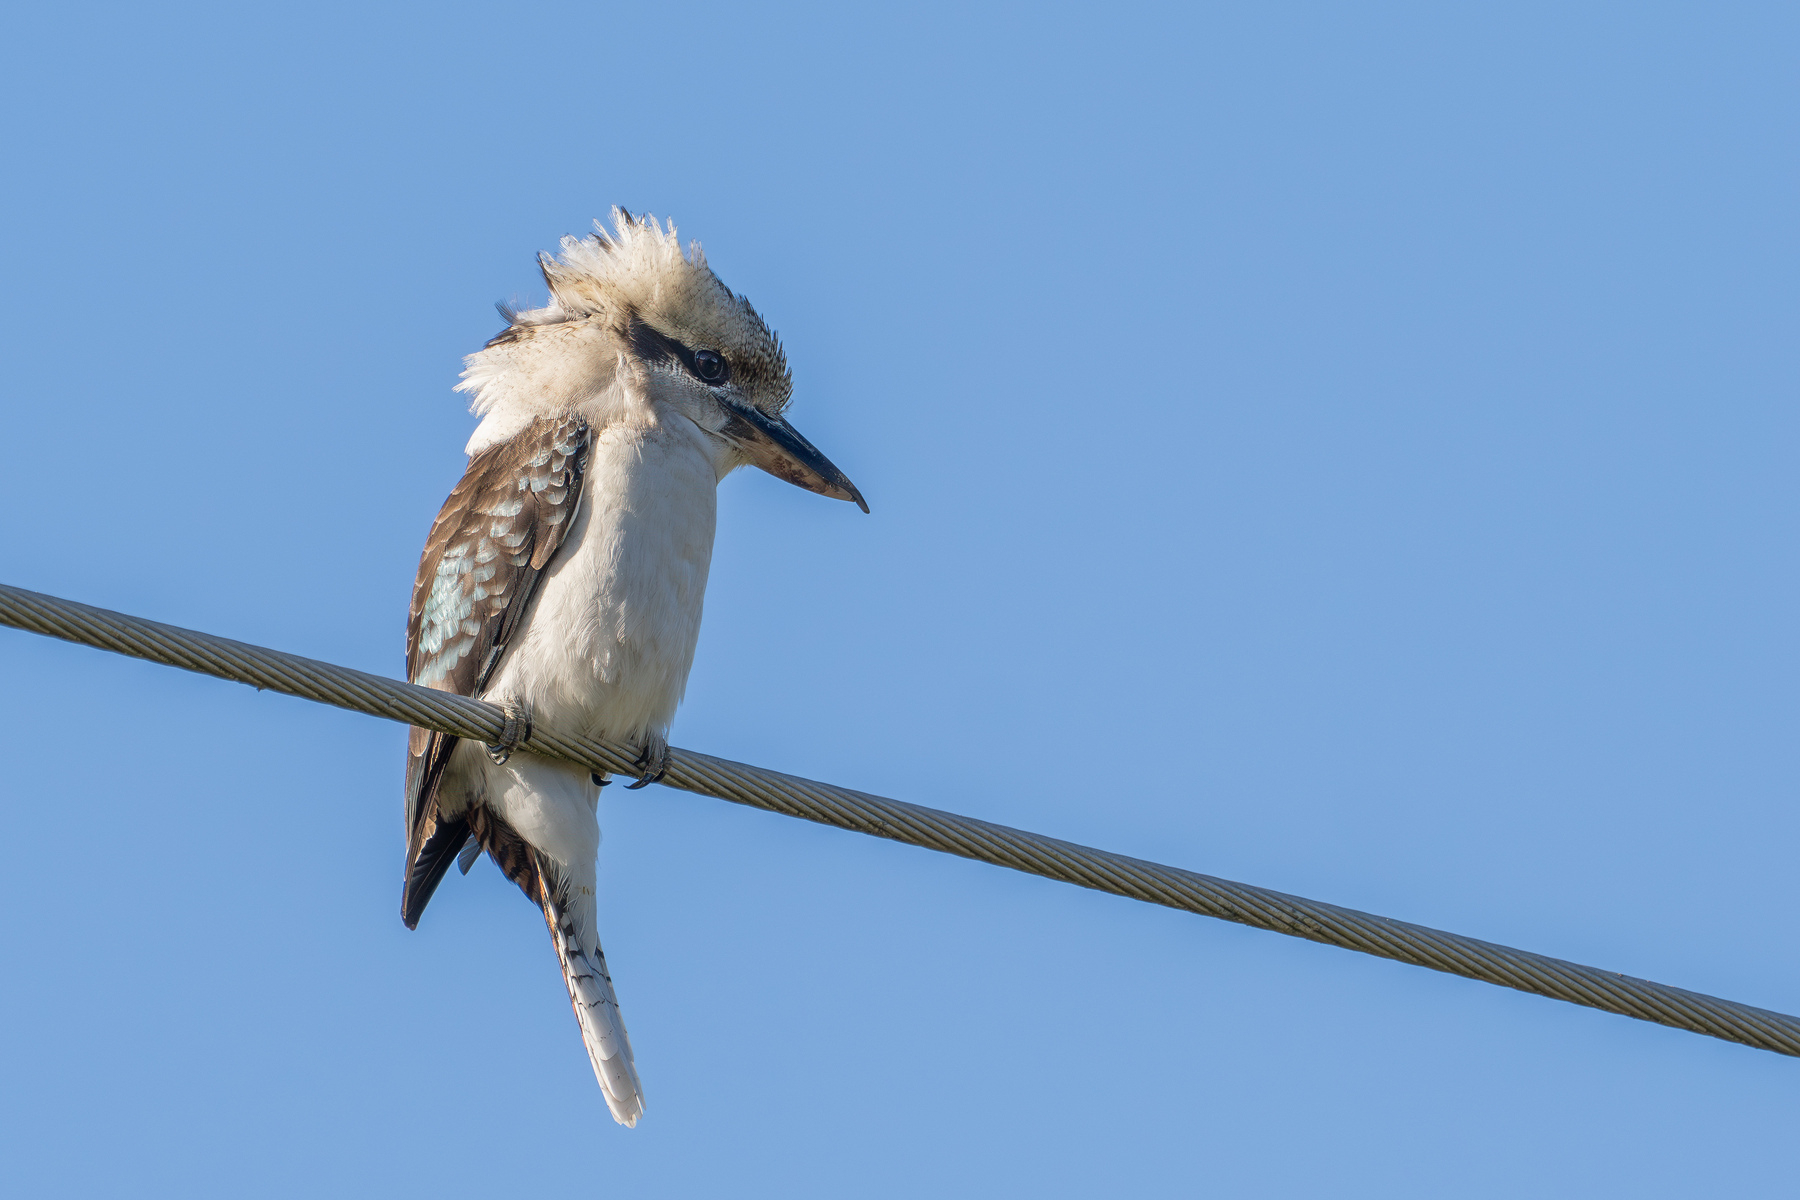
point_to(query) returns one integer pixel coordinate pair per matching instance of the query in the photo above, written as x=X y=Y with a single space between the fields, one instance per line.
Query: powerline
x=913 y=824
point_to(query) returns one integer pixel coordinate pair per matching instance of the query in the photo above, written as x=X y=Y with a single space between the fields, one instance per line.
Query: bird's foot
x=652 y=762
x=516 y=730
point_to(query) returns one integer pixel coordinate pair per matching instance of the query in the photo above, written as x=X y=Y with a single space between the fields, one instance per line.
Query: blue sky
x=1346 y=450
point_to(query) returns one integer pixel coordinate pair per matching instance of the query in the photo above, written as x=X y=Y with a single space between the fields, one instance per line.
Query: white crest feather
x=560 y=356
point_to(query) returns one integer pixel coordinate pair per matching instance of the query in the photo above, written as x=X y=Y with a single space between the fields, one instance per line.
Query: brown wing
x=487 y=550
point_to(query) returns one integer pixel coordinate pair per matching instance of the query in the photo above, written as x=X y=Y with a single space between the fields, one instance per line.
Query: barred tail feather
x=597 y=1009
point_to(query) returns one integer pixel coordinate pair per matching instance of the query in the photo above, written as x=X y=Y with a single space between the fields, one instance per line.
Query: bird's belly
x=608 y=644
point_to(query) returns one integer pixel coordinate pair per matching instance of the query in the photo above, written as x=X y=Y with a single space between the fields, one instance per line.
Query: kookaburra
x=564 y=575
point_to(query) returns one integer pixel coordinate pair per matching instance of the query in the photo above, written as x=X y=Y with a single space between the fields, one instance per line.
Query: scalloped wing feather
x=482 y=562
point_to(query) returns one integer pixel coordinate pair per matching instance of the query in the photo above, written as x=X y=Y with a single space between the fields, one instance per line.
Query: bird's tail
x=597 y=1009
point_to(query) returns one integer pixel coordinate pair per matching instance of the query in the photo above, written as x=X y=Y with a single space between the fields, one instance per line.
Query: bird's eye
x=709 y=366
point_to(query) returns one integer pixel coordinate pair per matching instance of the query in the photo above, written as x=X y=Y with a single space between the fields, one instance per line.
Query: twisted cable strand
x=915 y=825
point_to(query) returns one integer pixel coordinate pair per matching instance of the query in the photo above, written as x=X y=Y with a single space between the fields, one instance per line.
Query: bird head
x=632 y=302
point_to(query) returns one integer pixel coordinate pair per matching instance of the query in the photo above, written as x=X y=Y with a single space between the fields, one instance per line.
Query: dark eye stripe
x=654 y=346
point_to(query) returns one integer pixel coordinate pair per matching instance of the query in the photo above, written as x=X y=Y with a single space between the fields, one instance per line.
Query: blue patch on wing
x=495 y=533
x=468 y=591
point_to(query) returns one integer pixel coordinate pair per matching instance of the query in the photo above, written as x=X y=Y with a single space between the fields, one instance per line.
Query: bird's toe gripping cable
x=516 y=730
x=652 y=762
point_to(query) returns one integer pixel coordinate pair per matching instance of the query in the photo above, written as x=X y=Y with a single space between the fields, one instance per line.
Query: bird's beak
x=777 y=447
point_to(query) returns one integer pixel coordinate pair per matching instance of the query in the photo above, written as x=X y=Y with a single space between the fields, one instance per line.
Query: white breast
x=607 y=646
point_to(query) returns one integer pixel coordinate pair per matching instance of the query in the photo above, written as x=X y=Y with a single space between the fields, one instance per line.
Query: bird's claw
x=651 y=763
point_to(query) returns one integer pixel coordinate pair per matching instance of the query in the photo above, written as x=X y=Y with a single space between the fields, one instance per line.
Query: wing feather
x=482 y=562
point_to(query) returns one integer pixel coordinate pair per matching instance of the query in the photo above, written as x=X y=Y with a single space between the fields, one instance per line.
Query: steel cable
x=915 y=825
